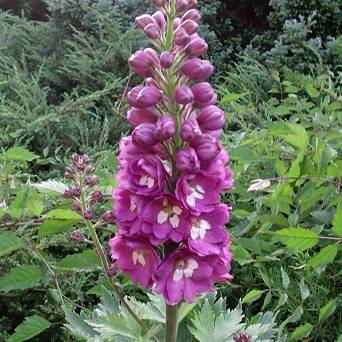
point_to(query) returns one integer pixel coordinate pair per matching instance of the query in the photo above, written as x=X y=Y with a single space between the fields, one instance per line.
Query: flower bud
x=189 y=26
x=181 y=37
x=211 y=118
x=88 y=215
x=197 y=69
x=165 y=128
x=186 y=160
x=137 y=116
x=143 y=20
x=192 y=14
x=143 y=135
x=77 y=207
x=144 y=62
x=176 y=23
x=91 y=180
x=184 y=95
x=192 y=4
x=243 y=337
x=181 y=5
x=207 y=147
x=76 y=236
x=196 y=47
x=111 y=271
x=144 y=97
x=67 y=193
x=190 y=130
x=96 y=196
x=76 y=192
x=203 y=92
x=108 y=217
x=159 y=19
x=152 y=31
x=166 y=59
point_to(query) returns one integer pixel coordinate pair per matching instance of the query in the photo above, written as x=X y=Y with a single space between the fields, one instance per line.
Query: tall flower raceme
x=173 y=168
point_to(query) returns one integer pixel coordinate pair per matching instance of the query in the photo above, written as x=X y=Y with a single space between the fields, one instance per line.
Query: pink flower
x=189 y=130
x=143 y=135
x=145 y=175
x=152 y=31
x=165 y=218
x=206 y=147
x=181 y=37
x=203 y=92
x=196 y=47
x=192 y=14
x=183 y=275
x=144 y=20
x=184 y=95
x=137 y=116
x=144 y=97
x=197 y=69
x=189 y=26
x=165 y=128
x=166 y=59
x=136 y=258
x=208 y=235
x=144 y=62
x=159 y=19
x=197 y=192
x=211 y=118
x=187 y=161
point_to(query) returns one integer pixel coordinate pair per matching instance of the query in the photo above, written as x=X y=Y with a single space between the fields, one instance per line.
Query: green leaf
x=301 y=332
x=241 y=255
x=312 y=92
x=9 y=242
x=17 y=207
x=20 y=278
x=88 y=260
x=324 y=257
x=232 y=97
x=31 y=327
x=252 y=296
x=337 y=222
x=285 y=279
x=57 y=221
x=298 y=239
x=50 y=186
x=20 y=154
x=327 y=310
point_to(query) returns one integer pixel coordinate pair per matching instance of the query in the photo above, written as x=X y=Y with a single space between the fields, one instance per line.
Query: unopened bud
x=76 y=236
x=108 y=217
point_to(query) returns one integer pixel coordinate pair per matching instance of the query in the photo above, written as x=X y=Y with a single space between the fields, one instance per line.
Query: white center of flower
x=169 y=213
x=184 y=269
x=199 y=229
x=138 y=257
x=196 y=192
x=133 y=206
x=147 y=181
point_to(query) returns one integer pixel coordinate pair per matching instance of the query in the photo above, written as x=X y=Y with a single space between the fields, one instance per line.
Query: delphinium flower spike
x=171 y=222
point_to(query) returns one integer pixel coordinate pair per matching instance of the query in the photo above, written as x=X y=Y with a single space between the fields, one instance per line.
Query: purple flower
x=159 y=19
x=197 y=69
x=196 y=47
x=144 y=97
x=192 y=14
x=184 y=95
x=165 y=128
x=181 y=37
x=206 y=147
x=182 y=275
x=211 y=118
x=208 y=235
x=166 y=59
x=152 y=31
x=203 y=92
x=189 y=130
x=143 y=135
x=135 y=257
x=165 y=218
x=145 y=175
x=143 y=63
x=190 y=26
x=198 y=193
x=144 y=20
x=187 y=161
x=137 y=116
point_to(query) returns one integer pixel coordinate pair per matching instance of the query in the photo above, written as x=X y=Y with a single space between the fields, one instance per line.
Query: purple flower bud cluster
x=173 y=168
x=80 y=172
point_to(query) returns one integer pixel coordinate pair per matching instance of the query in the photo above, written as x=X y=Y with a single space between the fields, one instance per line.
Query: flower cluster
x=173 y=168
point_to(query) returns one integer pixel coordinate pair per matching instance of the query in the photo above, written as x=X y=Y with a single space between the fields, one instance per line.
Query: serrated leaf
x=9 y=242
x=17 y=207
x=298 y=239
x=232 y=97
x=88 y=260
x=337 y=222
x=50 y=227
x=50 y=186
x=301 y=332
x=324 y=257
x=31 y=327
x=252 y=296
x=20 y=153
x=327 y=310
x=77 y=324
x=20 y=278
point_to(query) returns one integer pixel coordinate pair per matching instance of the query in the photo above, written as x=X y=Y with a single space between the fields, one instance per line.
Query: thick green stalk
x=171 y=323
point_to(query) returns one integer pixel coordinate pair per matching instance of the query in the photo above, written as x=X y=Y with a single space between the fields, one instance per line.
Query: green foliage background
x=63 y=72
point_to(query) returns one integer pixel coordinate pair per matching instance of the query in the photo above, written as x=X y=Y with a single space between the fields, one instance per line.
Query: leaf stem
x=171 y=323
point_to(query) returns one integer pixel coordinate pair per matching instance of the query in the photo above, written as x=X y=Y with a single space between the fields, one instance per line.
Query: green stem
x=171 y=323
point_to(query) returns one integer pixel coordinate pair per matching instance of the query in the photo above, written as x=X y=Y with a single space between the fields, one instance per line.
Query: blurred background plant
x=63 y=72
